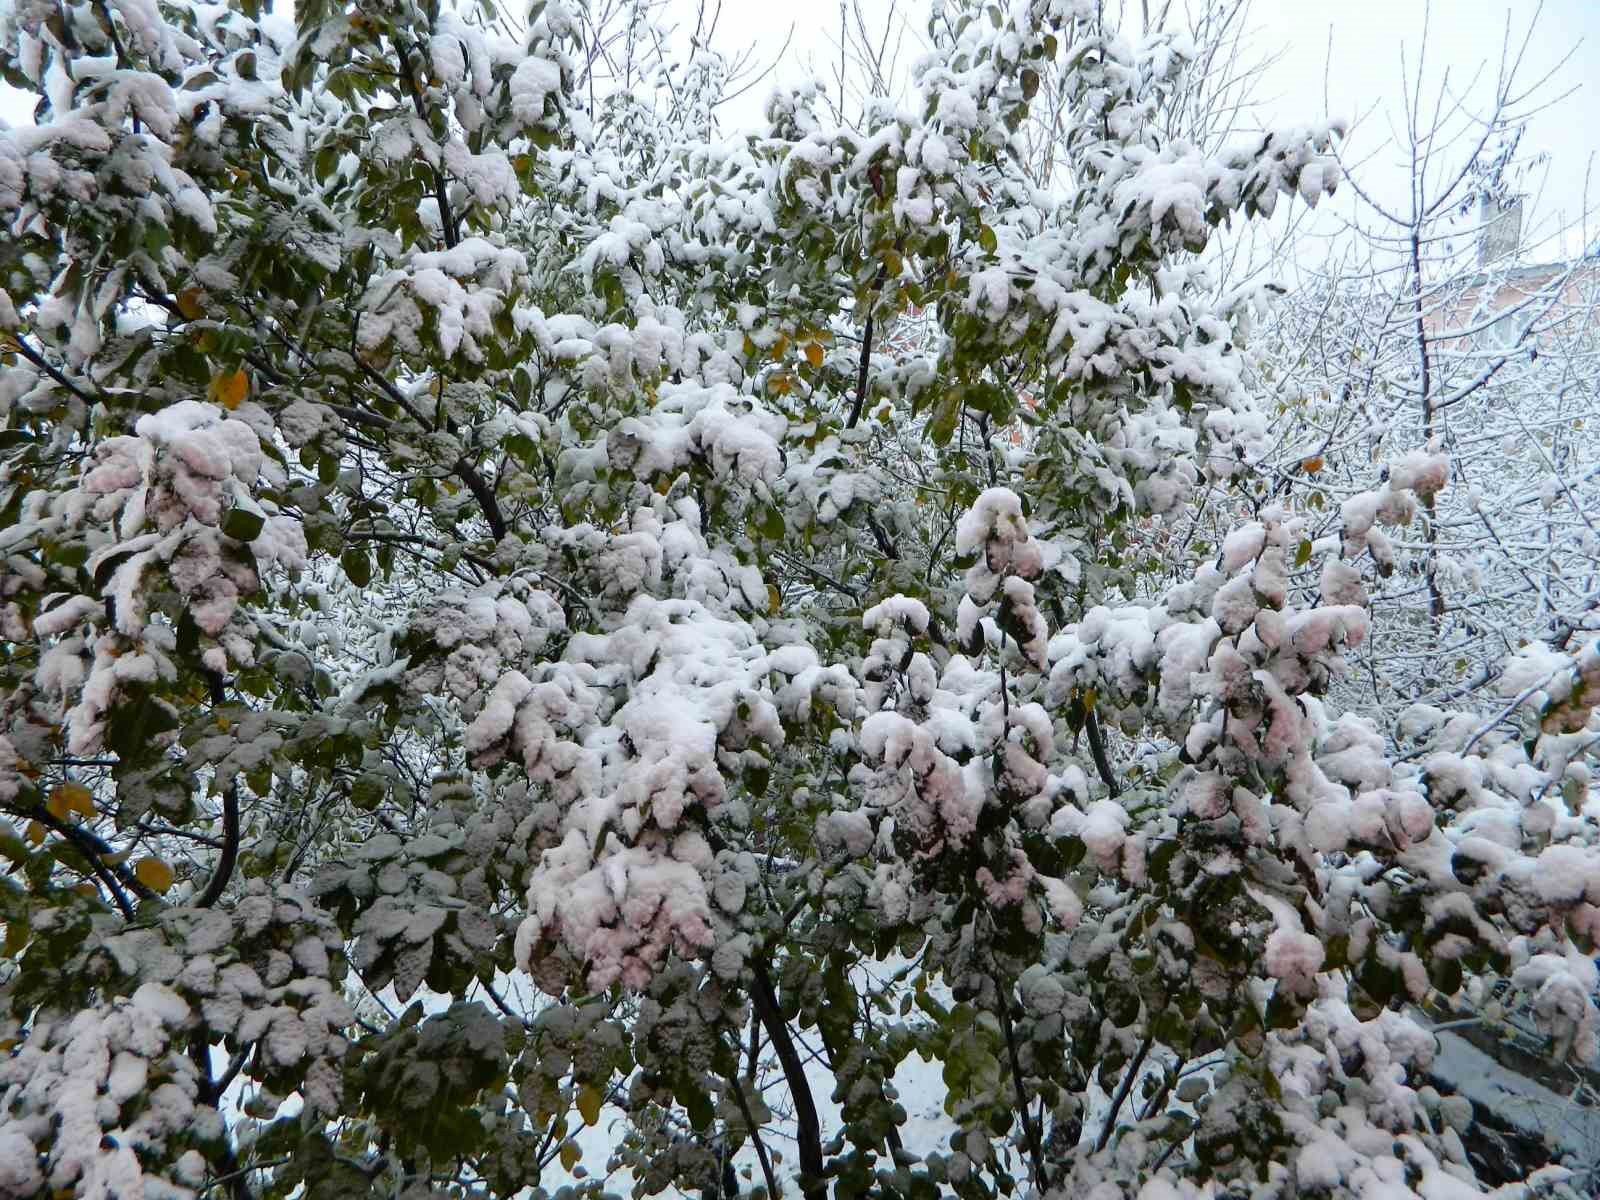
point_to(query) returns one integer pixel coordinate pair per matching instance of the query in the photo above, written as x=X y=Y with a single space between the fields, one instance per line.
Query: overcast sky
x=1359 y=42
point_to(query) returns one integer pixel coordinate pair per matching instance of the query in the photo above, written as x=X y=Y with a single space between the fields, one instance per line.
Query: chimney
x=1499 y=229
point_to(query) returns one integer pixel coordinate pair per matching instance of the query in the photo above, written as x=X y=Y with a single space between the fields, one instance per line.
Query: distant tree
x=1433 y=330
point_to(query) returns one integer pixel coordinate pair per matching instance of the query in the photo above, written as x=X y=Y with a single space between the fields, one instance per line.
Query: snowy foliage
x=502 y=631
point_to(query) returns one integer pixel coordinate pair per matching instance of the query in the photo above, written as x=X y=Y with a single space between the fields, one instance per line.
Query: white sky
x=1464 y=43
x=1365 y=39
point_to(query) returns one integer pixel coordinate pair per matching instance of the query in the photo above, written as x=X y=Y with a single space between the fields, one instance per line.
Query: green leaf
x=242 y=524
x=771 y=522
x=357 y=566
x=696 y=1104
x=135 y=722
x=943 y=425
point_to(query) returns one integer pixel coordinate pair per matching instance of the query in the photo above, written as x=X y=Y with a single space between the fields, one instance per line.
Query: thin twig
x=1123 y=1089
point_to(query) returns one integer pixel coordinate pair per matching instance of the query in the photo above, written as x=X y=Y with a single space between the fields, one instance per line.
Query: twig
x=1002 y=1005
x=1123 y=1089
x=475 y=482
x=755 y=1135
x=441 y=191
x=230 y=816
x=39 y=360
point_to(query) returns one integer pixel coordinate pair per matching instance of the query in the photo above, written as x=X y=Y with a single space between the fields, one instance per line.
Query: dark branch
x=755 y=1135
x=1097 y=747
x=441 y=191
x=1122 y=1092
x=476 y=484
x=230 y=847
x=1002 y=1006
x=484 y=494
x=211 y=1093
x=39 y=360
x=809 y=1131
x=117 y=879
x=230 y=814
x=861 y=375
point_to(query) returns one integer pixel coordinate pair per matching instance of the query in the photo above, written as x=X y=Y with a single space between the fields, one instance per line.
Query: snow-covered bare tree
x=494 y=646
x=1431 y=329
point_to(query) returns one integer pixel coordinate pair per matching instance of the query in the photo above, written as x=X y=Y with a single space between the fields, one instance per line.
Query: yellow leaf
x=36 y=833
x=570 y=1154
x=229 y=388
x=189 y=304
x=153 y=873
x=58 y=804
x=16 y=938
x=70 y=798
x=814 y=354
x=589 y=1099
x=774 y=598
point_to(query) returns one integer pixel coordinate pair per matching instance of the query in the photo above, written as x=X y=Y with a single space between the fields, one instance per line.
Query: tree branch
x=230 y=814
x=211 y=1093
x=39 y=360
x=1123 y=1089
x=441 y=191
x=755 y=1135
x=1002 y=1005
x=484 y=495
x=94 y=848
x=861 y=374
x=809 y=1131
x=469 y=475
x=1097 y=748
x=230 y=847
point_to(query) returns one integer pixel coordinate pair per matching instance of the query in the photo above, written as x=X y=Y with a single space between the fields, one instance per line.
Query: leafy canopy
x=470 y=535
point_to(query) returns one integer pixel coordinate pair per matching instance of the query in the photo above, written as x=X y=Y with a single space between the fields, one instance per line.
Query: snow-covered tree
x=1438 y=327
x=463 y=541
